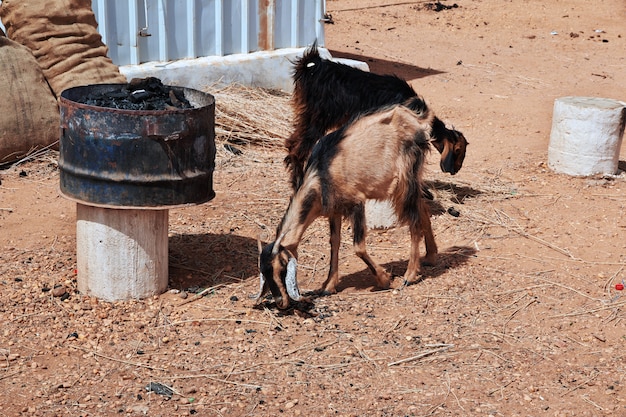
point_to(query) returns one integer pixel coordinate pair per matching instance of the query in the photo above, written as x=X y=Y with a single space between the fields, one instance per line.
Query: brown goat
x=328 y=94
x=378 y=156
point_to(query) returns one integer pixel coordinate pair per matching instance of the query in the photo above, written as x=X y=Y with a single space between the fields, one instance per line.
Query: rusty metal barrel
x=125 y=169
x=136 y=158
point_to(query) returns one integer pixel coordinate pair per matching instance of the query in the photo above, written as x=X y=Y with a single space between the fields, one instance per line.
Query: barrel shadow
x=205 y=260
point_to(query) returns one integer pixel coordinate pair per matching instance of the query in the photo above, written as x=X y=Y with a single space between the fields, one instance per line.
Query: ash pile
x=139 y=94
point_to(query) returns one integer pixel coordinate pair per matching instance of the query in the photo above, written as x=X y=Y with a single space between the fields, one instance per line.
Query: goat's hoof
x=429 y=261
x=326 y=292
x=383 y=280
x=409 y=277
x=401 y=286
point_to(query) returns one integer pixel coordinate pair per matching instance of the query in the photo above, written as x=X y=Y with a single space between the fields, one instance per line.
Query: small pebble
x=58 y=291
x=183 y=294
x=291 y=404
x=453 y=212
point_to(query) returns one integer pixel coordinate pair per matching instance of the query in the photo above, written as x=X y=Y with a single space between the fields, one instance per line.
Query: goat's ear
x=290 y=280
x=257 y=298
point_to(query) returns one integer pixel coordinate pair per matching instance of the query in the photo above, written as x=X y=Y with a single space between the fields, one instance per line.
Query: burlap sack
x=62 y=36
x=29 y=117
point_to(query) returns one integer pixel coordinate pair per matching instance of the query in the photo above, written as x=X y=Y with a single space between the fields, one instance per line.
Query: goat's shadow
x=621 y=165
x=460 y=193
x=446 y=260
x=382 y=66
x=451 y=258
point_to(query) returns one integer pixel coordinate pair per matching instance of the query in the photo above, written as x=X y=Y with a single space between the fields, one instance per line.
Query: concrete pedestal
x=586 y=135
x=121 y=253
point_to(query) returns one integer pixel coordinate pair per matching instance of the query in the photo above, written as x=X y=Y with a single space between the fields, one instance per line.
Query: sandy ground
x=520 y=316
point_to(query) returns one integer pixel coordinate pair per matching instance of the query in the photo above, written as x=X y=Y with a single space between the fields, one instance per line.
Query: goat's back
x=378 y=156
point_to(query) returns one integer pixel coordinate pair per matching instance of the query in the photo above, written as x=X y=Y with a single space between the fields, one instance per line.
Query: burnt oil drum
x=136 y=158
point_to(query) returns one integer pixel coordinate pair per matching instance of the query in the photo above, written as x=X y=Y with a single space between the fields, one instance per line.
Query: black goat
x=328 y=94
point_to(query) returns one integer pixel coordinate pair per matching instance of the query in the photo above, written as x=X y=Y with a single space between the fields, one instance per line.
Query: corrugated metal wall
x=138 y=31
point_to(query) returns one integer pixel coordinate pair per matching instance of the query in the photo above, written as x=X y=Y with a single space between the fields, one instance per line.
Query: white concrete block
x=586 y=135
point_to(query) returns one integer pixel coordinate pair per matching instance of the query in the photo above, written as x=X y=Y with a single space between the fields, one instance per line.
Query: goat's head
x=451 y=144
x=277 y=267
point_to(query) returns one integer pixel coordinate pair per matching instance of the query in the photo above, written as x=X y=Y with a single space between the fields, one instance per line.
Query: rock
x=58 y=291
x=140 y=409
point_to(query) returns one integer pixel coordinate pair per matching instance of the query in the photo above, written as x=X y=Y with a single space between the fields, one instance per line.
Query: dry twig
x=593 y=310
x=441 y=348
x=141 y=365
x=586 y=381
x=203 y=292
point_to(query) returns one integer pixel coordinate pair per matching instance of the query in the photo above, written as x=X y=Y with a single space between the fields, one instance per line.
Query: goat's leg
x=424 y=227
x=414 y=257
x=330 y=285
x=429 y=238
x=359 y=227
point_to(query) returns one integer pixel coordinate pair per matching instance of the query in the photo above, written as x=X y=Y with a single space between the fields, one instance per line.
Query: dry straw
x=252 y=116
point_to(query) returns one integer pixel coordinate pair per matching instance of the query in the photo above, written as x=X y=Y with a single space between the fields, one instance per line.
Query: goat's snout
x=278 y=274
x=447 y=163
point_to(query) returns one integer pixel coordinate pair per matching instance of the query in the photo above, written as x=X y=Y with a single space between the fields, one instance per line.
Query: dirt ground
x=520 y=316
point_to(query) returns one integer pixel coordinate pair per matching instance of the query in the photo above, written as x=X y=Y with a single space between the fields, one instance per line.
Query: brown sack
x=29 y=117
x=63 y=37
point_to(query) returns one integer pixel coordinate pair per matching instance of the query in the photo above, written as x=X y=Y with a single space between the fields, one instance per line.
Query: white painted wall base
x=265 y=69
x=586 y=135
x=121 y=253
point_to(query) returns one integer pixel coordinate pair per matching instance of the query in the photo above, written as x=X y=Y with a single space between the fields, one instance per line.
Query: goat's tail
x=418 y=105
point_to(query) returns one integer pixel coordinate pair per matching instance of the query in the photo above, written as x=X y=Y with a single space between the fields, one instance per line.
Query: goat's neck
x=299 y=216
x=292 y=231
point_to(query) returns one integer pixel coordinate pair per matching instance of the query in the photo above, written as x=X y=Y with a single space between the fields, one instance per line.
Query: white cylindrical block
x=121 y=253
x=586 y=135
x=380 y=214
